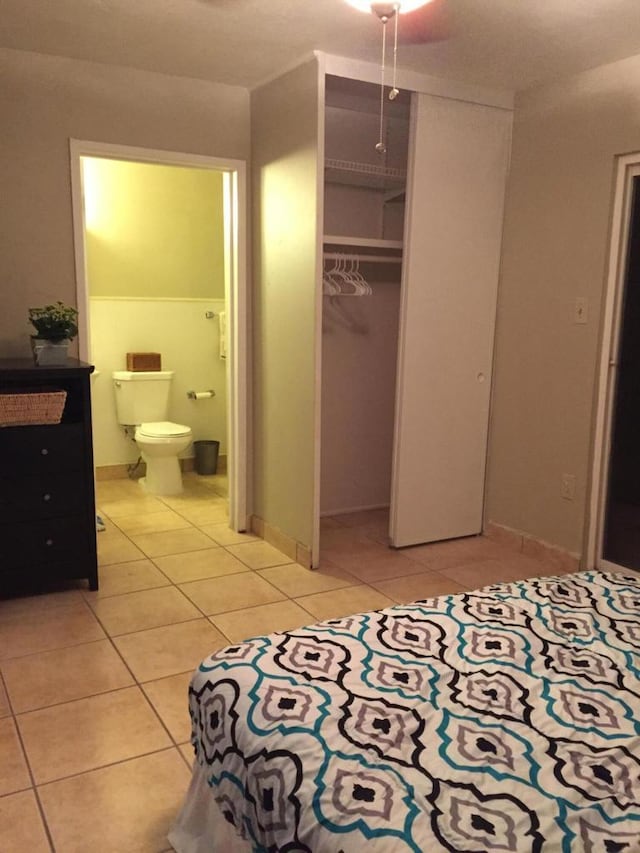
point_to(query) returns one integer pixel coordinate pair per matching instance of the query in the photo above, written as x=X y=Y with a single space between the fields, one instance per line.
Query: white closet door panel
x=457 y=176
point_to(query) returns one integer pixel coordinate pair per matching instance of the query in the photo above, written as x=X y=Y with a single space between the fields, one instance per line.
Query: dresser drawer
x=36 y=496
x=27 y=544
x=41 y=449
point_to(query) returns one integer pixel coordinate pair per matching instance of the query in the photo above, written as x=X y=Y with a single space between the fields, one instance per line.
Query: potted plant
x=55 y=325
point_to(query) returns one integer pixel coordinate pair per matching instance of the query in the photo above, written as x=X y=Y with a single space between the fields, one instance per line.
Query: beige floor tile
x=363 y=518
x=344 y=602
x=205 y=512
x=23 y=634
x=341 y=536
x=224 y=535
x=528 y=566
x=478 y=574
x=64 y=674
x=169 y=650
x=116 y=548
x=119 y=578
x=195 y=565
x=119 y=489
x=5 y=710
x=151 y=522
x=343 y=550
x=172 y=542
x=233 y=592
x=138 y=801
x=149 y=608
x=256 y=621
x=371 y=564
x=330 y=522
x=186 y=751
x=90 y=733
x=33 y=605
x=556 y=559
x=259 y=554
x=136 y=503
x=170 y=698
x=294 y=580
x=414 y=587
x=438 y=556
x=372 y=523
x=14 y=775
x=21 y=827
x=195 y=494
x=109 y=526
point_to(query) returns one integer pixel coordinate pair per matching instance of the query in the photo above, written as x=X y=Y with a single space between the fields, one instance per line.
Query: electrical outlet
x=581 y=310
x=568 y=487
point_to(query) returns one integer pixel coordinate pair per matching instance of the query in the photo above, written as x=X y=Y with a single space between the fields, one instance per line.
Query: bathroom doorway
x=160 y=266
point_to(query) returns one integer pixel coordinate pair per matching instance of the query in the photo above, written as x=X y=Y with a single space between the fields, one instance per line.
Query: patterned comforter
x=506 y=719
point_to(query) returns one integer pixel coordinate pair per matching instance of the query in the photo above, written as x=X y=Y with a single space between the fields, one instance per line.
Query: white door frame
x=627 y=168
x=235 y=200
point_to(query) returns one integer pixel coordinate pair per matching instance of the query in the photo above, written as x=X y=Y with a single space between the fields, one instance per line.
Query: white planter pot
x=48 y=353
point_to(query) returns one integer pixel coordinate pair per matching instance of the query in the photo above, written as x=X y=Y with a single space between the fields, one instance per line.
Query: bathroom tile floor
x=94 y=726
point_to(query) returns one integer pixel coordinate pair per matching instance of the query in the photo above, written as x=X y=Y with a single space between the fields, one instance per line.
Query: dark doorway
x=621 y=541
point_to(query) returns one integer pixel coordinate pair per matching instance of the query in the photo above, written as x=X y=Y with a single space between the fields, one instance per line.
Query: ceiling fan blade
x=427 y=24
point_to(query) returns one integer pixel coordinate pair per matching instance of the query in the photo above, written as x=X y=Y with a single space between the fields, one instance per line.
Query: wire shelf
x=365 y=175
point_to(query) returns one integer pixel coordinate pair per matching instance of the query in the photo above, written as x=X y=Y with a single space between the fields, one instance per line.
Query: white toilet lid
x=163 y=429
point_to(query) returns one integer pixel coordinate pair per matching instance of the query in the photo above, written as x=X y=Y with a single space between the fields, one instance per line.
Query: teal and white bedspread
x=506 y=719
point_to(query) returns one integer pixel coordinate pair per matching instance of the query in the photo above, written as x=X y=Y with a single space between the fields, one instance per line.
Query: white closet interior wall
x=360 y=335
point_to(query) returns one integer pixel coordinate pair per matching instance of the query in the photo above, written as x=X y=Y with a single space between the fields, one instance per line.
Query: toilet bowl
x=160 y=444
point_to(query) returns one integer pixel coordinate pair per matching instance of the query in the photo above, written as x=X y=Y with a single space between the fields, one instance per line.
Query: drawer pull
x=49 y=543
x=46 y=497
x=44 y=451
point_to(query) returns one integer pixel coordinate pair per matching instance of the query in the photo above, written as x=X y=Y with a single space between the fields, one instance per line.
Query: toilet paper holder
x=201 y=395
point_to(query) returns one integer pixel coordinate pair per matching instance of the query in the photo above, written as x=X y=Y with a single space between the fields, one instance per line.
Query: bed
x=505 y=719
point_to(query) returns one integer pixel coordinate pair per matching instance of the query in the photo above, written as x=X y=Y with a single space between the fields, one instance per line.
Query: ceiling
x=506 y=44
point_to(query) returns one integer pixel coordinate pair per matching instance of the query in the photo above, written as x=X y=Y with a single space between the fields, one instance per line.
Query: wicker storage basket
x=21 y=408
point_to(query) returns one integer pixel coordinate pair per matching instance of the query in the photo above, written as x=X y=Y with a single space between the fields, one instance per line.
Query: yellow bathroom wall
x=153 y=231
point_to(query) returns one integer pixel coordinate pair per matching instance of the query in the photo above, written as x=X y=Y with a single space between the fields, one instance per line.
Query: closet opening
x=364 y=210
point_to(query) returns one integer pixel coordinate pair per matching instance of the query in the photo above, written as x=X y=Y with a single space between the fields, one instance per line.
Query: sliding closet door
x=453 y=231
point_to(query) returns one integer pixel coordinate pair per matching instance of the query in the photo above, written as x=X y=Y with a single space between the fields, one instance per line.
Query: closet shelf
x=365 y=175
x=362 y=242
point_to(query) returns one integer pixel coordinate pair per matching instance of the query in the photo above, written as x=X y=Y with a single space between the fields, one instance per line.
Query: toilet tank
x=141 y=396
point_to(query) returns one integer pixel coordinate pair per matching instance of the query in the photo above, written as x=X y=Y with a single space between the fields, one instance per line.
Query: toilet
x=142 y=401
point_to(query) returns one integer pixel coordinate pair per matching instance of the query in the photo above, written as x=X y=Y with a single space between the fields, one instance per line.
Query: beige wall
x=153 y=230
x=46 y=100
x=566 y=137
x=285 y=138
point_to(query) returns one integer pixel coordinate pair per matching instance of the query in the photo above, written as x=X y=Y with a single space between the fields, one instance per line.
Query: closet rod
x=366 y=259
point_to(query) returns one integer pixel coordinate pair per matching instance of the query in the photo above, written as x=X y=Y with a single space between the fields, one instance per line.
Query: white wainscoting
x=189 y=344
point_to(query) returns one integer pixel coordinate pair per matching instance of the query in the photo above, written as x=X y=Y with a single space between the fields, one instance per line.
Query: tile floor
x=94 y=726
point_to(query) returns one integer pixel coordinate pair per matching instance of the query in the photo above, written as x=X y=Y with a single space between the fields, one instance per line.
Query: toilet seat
x=163 y=429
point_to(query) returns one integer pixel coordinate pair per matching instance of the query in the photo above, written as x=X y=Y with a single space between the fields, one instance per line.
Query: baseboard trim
x=530 y=545
x=121 y=472
x=296 y=551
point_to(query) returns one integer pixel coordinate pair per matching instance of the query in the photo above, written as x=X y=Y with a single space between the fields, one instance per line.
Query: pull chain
x=393 y=94
x=381 y=148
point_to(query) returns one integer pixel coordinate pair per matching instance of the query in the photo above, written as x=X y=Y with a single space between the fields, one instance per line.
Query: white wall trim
x=627 y=168
x=238 y=319
x=317 y=396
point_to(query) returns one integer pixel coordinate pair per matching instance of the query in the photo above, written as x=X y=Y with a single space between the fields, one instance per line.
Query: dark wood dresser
x=47 y=498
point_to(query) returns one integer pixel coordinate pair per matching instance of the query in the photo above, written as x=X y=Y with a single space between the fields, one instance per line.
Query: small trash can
x=206 y=453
